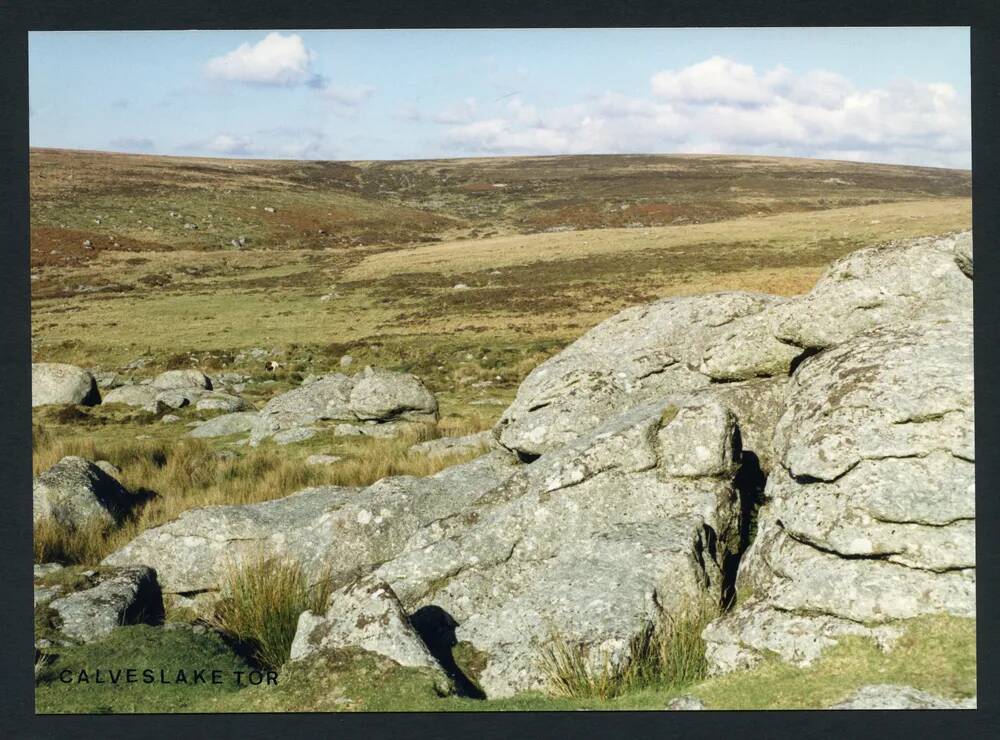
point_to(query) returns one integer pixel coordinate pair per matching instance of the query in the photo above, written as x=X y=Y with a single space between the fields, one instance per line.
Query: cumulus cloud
x=132 y=144
x=721 y=105
x=228 y=144
x=273 y=143
x=461 y=112
x=274 y=60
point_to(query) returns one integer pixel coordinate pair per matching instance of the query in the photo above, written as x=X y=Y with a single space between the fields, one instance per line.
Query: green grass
x=936 y=654
x=137 y=647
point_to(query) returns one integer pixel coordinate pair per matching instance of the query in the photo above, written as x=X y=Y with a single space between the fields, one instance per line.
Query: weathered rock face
x=178 y=379
x=348 y=529
x=640 y=355
x=377 y=395
x=124 y=596
x=77 y=493
x=56 y=383
x=889 y=696
x=368 y=615
x=592 y=541
x=870 y=514
x=678 y=345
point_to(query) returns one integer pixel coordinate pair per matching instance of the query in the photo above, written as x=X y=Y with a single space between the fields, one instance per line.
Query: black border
x=17 y=719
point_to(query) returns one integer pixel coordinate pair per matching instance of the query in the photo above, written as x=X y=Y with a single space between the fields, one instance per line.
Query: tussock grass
x=668 y=654
x=262 y=603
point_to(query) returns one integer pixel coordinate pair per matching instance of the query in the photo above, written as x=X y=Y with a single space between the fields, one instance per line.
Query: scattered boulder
x=346 y=361
x=889 y=696
x=143 y=396
x=178 y=398
x=368 y=615
x=182 y=379
x=327 y=398
x=297 y=434
x=57 y=383
x=323 y=459
x=121 y=596
x=225 y=424
x=106 y=380
x=445 y=446
x=383 y=394
x=223 y=402
x=685 y=703
x=375 y=395
x=77 y=493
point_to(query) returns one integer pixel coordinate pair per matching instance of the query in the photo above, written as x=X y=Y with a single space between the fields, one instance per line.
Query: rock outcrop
x=642 y=452
x=76 y=493
x=56 y=383
x=869 y=517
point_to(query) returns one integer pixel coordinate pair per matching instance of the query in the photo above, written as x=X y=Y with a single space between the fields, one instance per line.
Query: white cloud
x=274 y=143
x=720 y=105
x=227 y=144
x=461 y=112
x=275 y=60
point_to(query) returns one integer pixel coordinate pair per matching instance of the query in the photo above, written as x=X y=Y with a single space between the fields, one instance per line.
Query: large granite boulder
x=76 y=493
x=178 y=379
x=143 y=396
x=56 y=383
x=383 y=394
x=638 y=356
x=347 y=529
x=593 y=543
x=870 y=516
x=678 y=345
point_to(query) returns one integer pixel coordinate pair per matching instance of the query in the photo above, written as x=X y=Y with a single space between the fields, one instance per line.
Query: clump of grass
x=668 y=654
x=54 y=542
x=262 y=603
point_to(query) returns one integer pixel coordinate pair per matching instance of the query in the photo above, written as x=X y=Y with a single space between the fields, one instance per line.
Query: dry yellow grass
x=865 y=223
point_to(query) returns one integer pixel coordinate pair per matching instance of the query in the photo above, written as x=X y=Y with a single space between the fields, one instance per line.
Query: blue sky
x=884 y=95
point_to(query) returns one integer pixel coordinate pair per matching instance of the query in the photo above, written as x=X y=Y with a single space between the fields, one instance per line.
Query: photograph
x=501 y=369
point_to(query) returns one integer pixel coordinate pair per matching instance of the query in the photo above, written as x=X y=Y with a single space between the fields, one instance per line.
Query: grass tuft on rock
x=262 y=601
